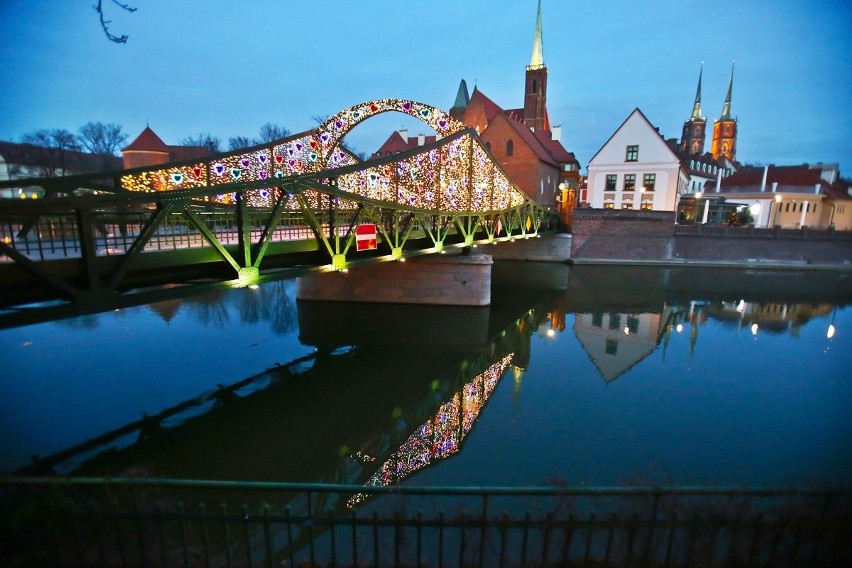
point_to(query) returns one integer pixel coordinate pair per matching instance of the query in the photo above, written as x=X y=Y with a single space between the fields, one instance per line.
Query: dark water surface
x=581 y=375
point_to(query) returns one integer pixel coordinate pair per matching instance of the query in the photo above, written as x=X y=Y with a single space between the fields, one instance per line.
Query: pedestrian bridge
x=295 y=204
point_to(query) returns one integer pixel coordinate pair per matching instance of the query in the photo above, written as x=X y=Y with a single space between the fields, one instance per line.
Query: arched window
x=510 y=148
x=534 y=86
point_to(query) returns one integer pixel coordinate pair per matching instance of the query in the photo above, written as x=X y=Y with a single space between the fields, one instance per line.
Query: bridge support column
x=445 y=280
x=548 y=248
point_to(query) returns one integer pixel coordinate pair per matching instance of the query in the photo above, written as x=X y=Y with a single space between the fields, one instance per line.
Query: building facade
x=635 y=169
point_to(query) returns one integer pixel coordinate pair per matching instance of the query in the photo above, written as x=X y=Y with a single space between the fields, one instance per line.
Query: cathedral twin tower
x=724 y=129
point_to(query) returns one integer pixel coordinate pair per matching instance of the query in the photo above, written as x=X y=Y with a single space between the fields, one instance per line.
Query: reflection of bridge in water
x=243 y=217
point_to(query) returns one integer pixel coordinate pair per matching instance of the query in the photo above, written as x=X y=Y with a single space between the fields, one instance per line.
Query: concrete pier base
x=446 y=280
x=548 y=248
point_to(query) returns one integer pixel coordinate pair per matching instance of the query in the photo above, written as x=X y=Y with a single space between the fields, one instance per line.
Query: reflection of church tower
x=535 y=93
x=725 y=129
x=694 y=129
x=460 y=106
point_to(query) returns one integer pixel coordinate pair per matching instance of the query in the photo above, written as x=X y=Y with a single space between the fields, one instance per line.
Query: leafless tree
x=270 y=132
x=240 y=142
x=105 y=23
x=102 y=139
x=204 y=139
x=53 y=146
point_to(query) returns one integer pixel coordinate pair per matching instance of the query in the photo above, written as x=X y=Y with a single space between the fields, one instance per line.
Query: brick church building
x=521 y=140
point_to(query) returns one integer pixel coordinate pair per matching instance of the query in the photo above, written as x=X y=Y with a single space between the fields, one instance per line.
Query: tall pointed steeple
x=535 y=92
x=725 y=129
x=696 y=108
x=694 y=131
x=726 y=108
x=537 y=59
x=462 y=99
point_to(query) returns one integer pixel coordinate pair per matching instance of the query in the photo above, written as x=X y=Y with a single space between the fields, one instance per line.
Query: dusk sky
x=226 y=68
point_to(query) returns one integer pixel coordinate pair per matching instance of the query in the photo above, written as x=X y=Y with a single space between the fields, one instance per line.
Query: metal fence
x=143 y=522
x=803 y=234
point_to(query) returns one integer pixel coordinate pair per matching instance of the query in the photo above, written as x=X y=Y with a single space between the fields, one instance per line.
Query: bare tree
x=270 y=132
x=102 y=139
x=204 y=139
x=105 y=23
x=240 y=142
x=54 y=145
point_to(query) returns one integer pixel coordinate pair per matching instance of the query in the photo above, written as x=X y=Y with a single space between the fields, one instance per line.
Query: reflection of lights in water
x=830 y=333
x=626 y=330
x=253 y=286
x=679 y=327
x=440 y=436
x=741 y=306
x=754 y=329
x=551 y=333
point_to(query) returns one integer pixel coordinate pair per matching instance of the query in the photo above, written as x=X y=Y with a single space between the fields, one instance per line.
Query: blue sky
x=226 y=68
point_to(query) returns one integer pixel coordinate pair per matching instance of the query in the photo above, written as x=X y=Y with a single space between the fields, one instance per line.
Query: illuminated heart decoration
x=197 y=172
x=177 y=178
x=338 y=124
x=314 y=144
x=245 y=162
x=264 y=193
x=262 y=158
x=373 y=107
x=299 y=146
x=262 y=174
x=425 y=113
x=406 y=106
x=312 y=156
x=291 y=163
x=443 y=123
x=219 y=169
x=279 y=158
x=236 y=173
x=279 y=175
x=324 y=137
x=356 y=115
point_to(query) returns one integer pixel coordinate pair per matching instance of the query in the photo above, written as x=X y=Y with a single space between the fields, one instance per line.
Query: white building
x=636 y=169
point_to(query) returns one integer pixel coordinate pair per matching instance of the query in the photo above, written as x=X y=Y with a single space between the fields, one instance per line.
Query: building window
x=647 y=205
x=648 y=181
x=632 y=154
x=610 y=182
x=614 y=321
x=632 y=324
x=611 y=347
x=534 y=86
x=609 y=205
x=627 y=205
x=597 y=319
x=510 y=148
x=629 y=182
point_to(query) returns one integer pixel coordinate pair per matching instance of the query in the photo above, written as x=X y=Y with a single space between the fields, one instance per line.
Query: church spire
x=726 y=108
x=537 y=59
x=696 y=109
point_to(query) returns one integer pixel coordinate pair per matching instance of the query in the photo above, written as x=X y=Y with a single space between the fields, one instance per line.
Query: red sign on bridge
x=365 y=236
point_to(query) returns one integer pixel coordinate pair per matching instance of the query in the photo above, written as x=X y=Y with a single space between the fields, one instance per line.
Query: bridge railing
x=132 y=522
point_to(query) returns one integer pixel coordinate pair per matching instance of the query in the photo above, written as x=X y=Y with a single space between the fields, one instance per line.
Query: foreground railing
x=144 y=522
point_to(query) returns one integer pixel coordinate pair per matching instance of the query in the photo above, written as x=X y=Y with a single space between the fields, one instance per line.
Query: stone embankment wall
x=611 y=236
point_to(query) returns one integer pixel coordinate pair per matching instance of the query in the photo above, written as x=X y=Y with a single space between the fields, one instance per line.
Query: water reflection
x=266 y=388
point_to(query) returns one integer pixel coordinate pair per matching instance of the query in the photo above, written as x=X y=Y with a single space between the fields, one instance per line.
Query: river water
x=579 y=375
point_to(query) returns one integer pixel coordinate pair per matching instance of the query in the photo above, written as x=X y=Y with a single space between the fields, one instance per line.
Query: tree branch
x=105 y=23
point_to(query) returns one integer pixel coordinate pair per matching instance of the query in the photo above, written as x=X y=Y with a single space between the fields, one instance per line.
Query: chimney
x=774 y=186
x=421 y=139
x=763 y=183
x=816 y=188
x=556 y=132
x=404 y=134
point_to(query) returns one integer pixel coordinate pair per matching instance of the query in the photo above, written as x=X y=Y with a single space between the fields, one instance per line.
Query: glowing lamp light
x=679 y=327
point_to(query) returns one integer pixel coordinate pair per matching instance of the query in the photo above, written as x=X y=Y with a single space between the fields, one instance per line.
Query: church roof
x=462 y=98
x=396 y=143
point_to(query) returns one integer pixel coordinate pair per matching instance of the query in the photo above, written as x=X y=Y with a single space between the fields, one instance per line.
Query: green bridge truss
x=294 y=202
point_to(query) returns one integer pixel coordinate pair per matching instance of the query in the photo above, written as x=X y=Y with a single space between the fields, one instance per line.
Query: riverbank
x=601 y=236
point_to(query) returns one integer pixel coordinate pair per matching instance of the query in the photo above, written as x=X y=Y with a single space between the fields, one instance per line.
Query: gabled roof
x=396 y=143
x=653 y=128
x=490 y=107
x=555 y=147
x=147 y=141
